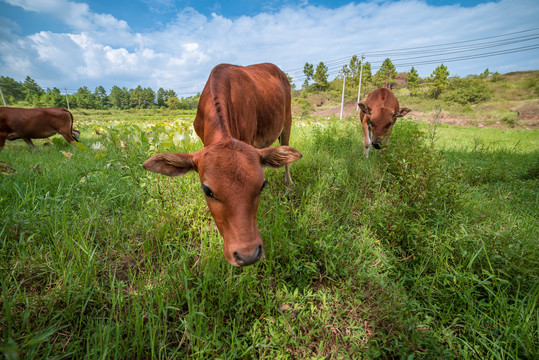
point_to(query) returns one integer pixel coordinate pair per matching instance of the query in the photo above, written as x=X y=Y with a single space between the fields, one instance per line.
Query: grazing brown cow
x=27 y=124
x=241 y=112
x=378 y=114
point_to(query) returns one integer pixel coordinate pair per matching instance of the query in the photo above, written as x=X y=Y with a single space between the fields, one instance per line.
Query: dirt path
x=528 y=120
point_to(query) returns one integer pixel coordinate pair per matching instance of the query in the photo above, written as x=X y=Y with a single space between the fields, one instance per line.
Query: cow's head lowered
x=380 y=121
x=232 y=178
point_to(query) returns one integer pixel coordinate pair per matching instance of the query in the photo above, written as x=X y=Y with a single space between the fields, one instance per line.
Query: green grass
x=428 y=249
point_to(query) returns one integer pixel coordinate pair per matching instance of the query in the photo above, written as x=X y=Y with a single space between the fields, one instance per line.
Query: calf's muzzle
x=249 y=259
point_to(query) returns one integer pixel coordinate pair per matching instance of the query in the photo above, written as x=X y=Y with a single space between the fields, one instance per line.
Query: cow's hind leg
x=75 y=134
x=2 y=141
x=67 y=135
x=30 y=143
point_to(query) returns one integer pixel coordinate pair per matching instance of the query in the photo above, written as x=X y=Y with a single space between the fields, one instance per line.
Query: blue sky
x=174 y=44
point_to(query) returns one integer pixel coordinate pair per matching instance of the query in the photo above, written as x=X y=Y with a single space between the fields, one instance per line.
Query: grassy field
x=427 y=250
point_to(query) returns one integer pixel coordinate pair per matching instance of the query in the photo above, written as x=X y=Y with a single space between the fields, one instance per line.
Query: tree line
x=119 y=98
x=437 y=84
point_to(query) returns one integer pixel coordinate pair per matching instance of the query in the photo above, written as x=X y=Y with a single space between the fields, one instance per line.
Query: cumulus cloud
x=102 y=50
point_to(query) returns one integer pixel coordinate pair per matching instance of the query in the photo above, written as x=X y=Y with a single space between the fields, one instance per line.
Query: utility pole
x=344 y=73
x=67 y=100
x=3 y=100
x=360 y=75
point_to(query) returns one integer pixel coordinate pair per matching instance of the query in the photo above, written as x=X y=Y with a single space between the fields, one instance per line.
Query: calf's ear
x=278 y=156
x=171 y=164
x=364 y=108
x=402 y=111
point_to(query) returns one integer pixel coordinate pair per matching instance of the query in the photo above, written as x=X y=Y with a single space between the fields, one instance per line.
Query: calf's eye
x=266 y=182
x=207 y=191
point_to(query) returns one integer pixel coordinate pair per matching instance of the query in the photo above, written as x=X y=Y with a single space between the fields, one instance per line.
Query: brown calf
x=27 y=124
x=241 y=112
x=379 y=112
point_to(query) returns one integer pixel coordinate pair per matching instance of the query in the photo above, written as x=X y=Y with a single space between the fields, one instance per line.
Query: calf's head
x=380 y=121
x=232 y=179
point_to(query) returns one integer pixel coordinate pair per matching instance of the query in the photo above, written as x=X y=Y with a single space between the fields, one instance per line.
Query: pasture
x=428 y=249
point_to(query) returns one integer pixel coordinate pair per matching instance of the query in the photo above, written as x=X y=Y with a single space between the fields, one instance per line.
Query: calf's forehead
x=231 y=166
x=381 y=116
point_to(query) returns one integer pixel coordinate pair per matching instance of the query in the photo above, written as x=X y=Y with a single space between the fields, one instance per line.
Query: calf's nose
x=244 y=260
x=376 y=145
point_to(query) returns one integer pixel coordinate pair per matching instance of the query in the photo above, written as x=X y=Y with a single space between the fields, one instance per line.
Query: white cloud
x=102 y=50
x=78 y=16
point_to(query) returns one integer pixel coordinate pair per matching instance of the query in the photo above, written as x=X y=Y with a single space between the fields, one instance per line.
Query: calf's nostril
x=244 y=260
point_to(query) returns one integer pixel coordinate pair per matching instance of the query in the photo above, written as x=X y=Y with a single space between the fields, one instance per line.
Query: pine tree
x=387 y=74
x=101 y=95
x=412 y=81
x=308 y=70
x=366 y=77
x=32 y=90
x=354 y=66
x=161 y=97
x=13 y=90
x=320 y=77
x=119 y=97
x=439 y=80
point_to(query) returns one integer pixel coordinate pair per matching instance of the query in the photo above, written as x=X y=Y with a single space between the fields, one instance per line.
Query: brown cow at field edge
x=379 y=112
x=27 y=124
x=241 y=112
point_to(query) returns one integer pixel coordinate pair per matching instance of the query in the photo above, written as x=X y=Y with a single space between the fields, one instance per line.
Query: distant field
x=427 y=250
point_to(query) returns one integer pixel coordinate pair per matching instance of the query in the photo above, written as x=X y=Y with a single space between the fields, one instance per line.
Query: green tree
x=439 y=80
x=54 y=98
x=100 y=95
x=308 y=70
x=136 y=97
x=119 y=97
x=366 y=77
x=170 y=93
x=485 y=74
x=412 y=81
x=142 y=98
x=32 y=91
x=173 y=102
x=13 y=90
x=84 y=99
x=386 y=76
x=291 y=81
x=344 y=70
x=148 y=97
x=161 y=97
x=320 y=77
x=467 y=91
x=354 y=66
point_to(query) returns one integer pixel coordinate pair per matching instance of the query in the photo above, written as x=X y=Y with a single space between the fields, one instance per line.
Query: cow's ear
x=364 y=108
x=402 y=111
x=278 y=156
x=171 y=164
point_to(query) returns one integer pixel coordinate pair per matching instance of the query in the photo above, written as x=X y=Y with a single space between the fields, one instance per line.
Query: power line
x=437 y=51
x=420 y=55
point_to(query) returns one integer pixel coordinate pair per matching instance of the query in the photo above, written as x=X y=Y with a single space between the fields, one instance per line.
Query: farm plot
x=427 y=250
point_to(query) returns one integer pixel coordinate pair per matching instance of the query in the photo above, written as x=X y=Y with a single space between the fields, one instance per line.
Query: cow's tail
x=74 y=133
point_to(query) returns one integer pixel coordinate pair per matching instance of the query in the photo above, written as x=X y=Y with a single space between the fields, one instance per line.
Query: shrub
x=510 y=121
x=304 y=105
x=467 y=91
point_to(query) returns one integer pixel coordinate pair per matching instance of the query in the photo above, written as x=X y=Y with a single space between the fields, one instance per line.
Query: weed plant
x=426 y=250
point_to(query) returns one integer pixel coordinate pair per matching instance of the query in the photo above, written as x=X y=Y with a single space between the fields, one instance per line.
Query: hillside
x=513 y=102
